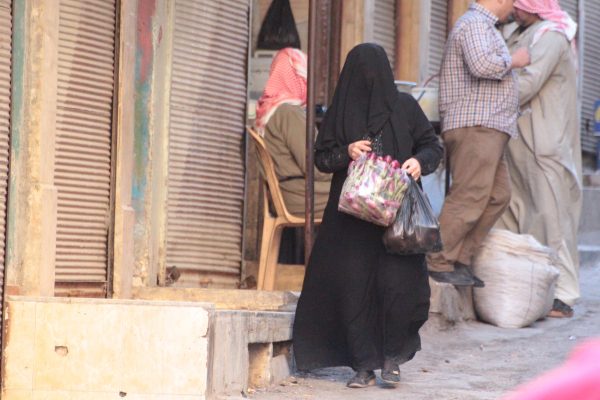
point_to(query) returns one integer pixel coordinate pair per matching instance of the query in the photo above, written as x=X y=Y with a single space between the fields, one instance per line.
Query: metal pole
x=310 y=130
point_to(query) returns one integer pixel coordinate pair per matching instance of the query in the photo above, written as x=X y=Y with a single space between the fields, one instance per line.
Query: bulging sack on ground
x=519 y=276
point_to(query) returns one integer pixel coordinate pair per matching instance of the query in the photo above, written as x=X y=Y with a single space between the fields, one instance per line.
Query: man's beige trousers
x=479 y=194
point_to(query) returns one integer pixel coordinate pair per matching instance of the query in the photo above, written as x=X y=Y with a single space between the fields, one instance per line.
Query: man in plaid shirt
x=479 y=106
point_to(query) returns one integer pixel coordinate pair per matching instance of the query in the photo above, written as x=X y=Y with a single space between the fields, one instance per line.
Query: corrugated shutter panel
x=384 y=27
x=5 y=86
x=437 y=36
x=572 y=7
x=591 y=72
x=86 y=59
x=207 y=114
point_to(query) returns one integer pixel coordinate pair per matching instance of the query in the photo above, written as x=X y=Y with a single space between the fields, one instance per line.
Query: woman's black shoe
x=390 y=373
x=362 y=379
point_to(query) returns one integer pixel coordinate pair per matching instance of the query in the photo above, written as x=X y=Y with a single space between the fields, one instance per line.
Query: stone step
x=589 y=226
x=451 y=303
x=249 y=350
x=591 y=179
x=223 y=299
x=589 y=255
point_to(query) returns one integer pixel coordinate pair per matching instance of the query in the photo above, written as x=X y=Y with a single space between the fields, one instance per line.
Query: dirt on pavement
x=466 y=361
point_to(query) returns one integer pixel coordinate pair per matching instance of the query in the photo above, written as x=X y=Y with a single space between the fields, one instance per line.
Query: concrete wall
x=31 y=224
x=142 y=132
x=73 y=349
x=105 y=349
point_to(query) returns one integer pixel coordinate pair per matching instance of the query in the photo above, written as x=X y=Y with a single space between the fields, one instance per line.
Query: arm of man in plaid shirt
x=482 y=55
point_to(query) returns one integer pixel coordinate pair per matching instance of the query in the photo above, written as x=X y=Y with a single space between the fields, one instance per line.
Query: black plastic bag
x=278 y=30
x=416 y=229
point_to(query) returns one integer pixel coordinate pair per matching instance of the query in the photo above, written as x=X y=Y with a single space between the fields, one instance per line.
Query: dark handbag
x=416 y=229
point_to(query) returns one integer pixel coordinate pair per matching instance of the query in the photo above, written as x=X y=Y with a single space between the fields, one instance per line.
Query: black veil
x=364 y=97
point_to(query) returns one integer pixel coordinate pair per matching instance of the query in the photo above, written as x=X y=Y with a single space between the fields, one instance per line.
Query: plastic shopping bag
x=373 y=189
x=416 y=229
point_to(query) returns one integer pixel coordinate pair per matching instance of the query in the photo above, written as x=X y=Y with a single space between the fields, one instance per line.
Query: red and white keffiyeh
x=549 y=10
x=286 y=84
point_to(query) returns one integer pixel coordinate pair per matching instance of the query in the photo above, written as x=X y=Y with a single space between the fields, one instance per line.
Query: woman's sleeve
x=330 y=156
x=427 y=148
x=332 y=159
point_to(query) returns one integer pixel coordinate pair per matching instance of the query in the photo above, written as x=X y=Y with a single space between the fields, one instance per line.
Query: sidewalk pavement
x=467 y=361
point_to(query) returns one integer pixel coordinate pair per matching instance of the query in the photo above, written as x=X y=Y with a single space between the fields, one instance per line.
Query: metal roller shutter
x=5 y=86
x=591 y=72
x=384 y=27
x=86 y=68
x=438 y=31
x=207 y=114
x=572 y=7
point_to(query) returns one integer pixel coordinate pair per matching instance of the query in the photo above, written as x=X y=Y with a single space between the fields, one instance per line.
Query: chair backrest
x=268 y=173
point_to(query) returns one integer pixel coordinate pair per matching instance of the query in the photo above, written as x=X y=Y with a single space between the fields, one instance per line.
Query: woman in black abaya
x=360 y=306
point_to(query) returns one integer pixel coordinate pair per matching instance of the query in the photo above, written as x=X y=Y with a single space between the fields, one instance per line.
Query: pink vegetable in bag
x=373 y=189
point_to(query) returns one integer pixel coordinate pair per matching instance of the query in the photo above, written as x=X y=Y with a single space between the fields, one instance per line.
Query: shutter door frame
x=6 y=27
x=84 y=164
x=206 y=177
x=436 y=37
x=590 y=70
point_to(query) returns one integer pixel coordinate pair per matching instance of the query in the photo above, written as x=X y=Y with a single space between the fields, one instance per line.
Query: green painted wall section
x=17 y=118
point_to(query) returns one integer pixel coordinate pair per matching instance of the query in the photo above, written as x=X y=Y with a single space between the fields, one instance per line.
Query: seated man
x=281 y=120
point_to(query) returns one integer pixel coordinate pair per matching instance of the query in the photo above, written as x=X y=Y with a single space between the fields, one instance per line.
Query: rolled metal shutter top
x=384 y=27
x=206 y=169
x=591 y=72
x=86 y=68
x=5 y=89
x=438 y=31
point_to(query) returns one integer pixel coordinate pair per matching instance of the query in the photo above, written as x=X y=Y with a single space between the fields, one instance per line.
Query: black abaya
x=360 y=304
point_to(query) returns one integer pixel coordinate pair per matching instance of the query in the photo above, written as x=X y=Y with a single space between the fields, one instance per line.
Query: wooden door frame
x=110 y=257
x=329 y=27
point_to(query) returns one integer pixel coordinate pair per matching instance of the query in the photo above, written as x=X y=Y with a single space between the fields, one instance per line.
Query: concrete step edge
x=588 y=247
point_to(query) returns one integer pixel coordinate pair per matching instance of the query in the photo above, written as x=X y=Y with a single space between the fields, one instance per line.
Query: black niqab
x=364 y=97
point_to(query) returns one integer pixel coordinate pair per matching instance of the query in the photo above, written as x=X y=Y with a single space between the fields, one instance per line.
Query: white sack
x=519 y=276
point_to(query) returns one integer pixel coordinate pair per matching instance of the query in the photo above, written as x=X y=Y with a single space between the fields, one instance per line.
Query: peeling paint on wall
x=17 y=88
x=143 y=85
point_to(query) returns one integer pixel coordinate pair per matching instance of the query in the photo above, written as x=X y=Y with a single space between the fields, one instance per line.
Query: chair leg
x=272 y=258
x=267 y=238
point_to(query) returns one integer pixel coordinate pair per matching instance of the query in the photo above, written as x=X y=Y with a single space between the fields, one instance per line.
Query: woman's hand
x=358 y=148
x=413 y=167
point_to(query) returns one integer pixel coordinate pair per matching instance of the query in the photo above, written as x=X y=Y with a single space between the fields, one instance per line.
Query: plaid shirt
x=477 y=86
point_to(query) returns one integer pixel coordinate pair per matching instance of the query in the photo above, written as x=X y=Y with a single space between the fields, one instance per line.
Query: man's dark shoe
x=362 y=379
x=390 y=373
x=466 y=270
x=452 y=277
x=560 y=310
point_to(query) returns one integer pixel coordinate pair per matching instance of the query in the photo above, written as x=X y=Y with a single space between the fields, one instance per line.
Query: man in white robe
x=545 y=161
